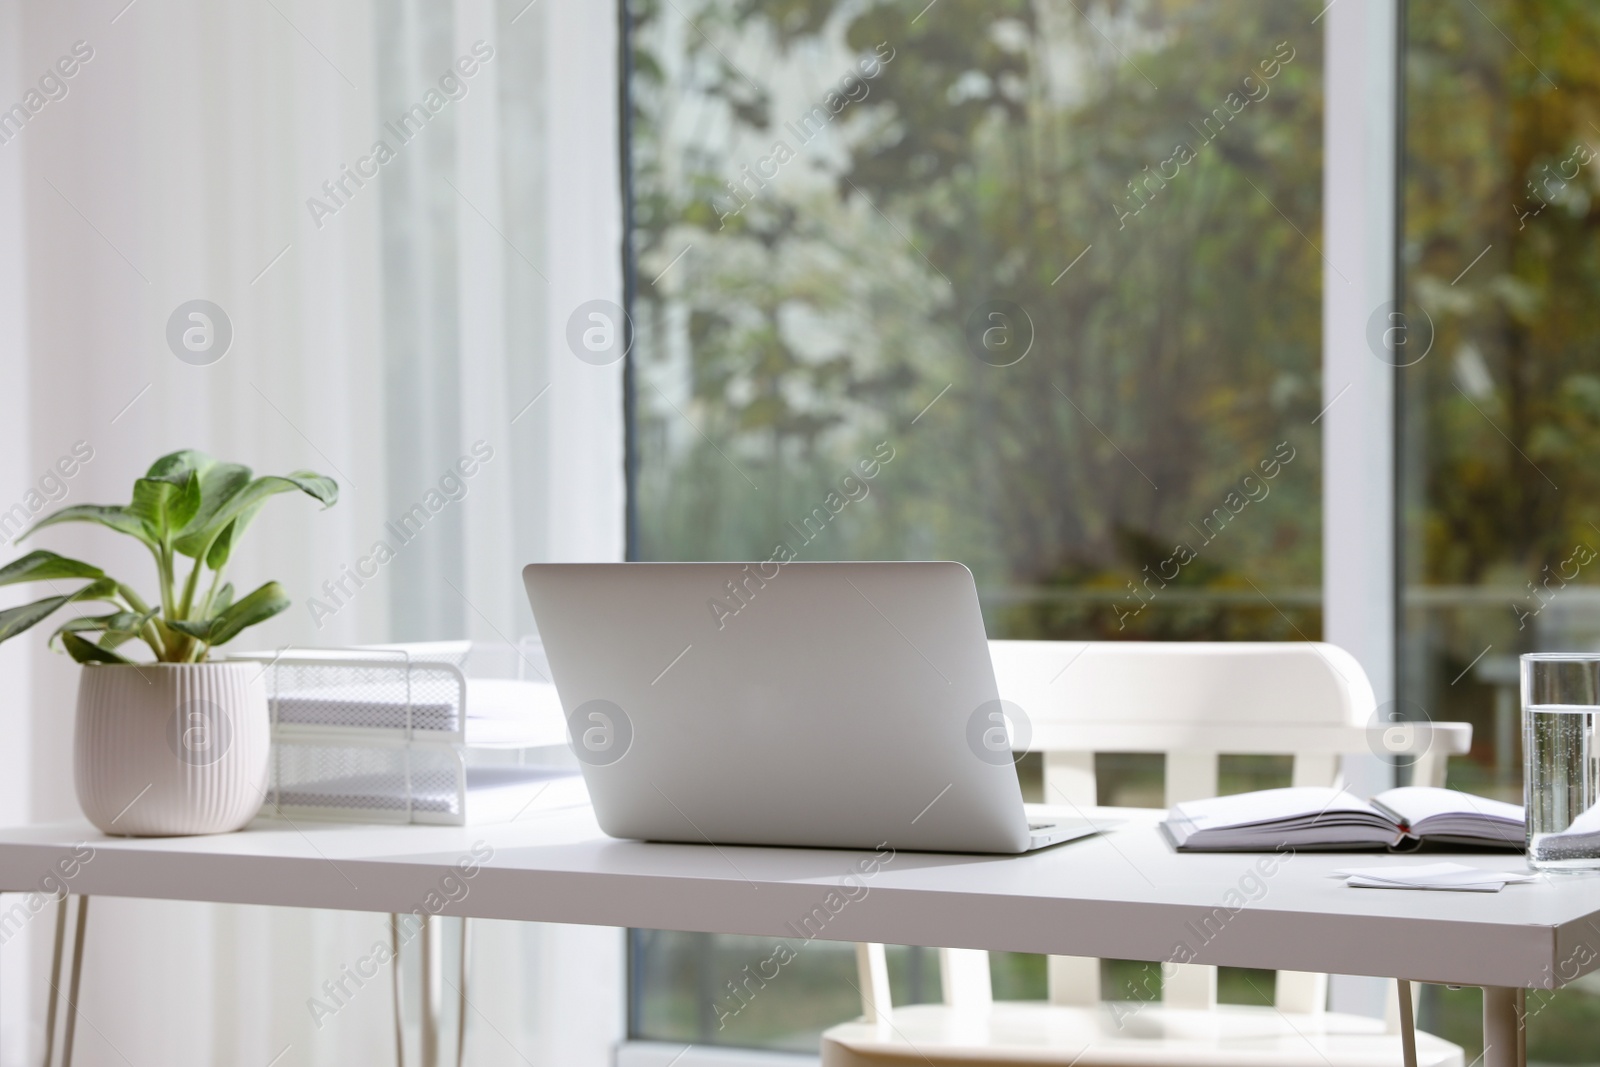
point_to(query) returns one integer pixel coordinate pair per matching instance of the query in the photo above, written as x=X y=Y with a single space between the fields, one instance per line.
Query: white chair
x=1190 y=702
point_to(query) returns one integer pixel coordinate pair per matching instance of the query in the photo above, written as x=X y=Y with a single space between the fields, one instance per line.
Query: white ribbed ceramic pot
x=171 y=748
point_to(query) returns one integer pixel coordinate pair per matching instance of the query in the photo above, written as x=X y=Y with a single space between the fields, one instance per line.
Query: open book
x=1331 y=820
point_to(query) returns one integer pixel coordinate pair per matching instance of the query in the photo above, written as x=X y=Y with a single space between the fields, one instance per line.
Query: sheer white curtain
x=377 y=338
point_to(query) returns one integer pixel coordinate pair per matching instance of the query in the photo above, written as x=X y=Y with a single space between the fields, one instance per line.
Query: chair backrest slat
x=1073 y=980
x=1191 y=775
x=1315 y=768
x=1069 y=778
x=1306 y=992
x=964 y=978
x=872 y=975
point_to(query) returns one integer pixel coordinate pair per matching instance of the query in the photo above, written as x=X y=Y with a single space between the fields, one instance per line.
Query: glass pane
x=1500 y=412
x=1030 y=285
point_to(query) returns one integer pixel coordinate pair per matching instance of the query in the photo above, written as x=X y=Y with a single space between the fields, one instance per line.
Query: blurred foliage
x=1505 y=409
x=1501 y=418
x=995 y=144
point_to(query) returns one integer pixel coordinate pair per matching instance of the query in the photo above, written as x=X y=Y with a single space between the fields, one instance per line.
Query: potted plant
x=177 y=744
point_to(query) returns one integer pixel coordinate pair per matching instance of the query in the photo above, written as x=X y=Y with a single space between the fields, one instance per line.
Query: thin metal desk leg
x=399 y=992
x=432 y=992
x=55 y=979
x=1504 y=1039
x=1408 y=1025
x=461 y=997
x=432 y=975
x=72 y=984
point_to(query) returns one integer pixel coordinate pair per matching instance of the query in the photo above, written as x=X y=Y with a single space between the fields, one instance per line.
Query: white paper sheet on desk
x=1455 y=887
x=1446 y=877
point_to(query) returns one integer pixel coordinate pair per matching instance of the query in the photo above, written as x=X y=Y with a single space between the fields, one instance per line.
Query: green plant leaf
x=85 y=651
x=317 y=486
x=114 y=516
x=185 y=505
x=169 y=495
x=166 y=504
x=218 y=484
x=242 y=506
x=89 y=622
x=175 y=467
x=222 y=547
x=119 y=627
x=14 y=621
x=99 y=589
x=200 y=630
x=43 y=566
x=258 y=607
x=117 y=638
x=117 y=620
x=223 y=598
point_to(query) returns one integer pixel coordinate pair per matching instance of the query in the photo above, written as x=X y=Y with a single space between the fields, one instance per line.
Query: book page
x=1269 y=806
x=1415 y=803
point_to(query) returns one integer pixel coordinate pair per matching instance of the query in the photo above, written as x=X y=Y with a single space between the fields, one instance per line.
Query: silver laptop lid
x=841 y=705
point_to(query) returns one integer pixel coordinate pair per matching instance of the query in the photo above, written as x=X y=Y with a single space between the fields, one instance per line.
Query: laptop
x=831 y=705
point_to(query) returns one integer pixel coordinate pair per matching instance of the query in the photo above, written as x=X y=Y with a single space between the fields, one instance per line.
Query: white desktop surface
x=1124 y=894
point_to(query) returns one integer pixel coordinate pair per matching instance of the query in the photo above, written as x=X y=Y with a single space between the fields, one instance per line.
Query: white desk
x=1123 y=895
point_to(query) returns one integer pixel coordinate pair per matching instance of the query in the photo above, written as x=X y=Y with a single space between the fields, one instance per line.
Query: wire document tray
x=441 y=732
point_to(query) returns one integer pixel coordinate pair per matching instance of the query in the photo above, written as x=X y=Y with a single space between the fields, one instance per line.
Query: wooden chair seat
x=1123 y=1035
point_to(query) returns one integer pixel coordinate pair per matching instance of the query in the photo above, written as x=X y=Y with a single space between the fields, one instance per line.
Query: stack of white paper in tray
x=441 y=732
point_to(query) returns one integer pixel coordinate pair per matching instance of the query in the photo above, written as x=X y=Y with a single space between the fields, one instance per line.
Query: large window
x=1500 y=415
x=1051 y=258
x=1051 y=266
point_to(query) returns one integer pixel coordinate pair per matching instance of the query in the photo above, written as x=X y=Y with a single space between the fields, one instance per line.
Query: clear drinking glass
x=1561 y=778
